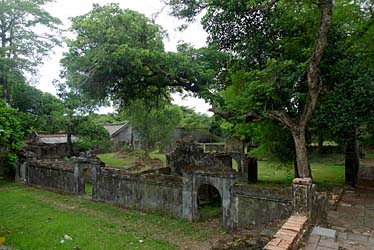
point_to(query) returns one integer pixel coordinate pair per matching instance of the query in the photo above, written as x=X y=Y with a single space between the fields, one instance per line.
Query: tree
x=77 y=120
x=346 y=105
x=193 y=120
x=91 y=135
x=39 y=110
x=276 y=60
x=119 y=55
x=155 y=123
x=22 y=46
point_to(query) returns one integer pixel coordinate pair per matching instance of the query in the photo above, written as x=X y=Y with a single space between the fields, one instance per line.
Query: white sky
x=64 y=9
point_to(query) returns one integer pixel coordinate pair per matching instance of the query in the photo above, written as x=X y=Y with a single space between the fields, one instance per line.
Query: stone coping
x=289 y=235
x=165 y=180
x=223 y=172
x=281 y=193
x=53 y=165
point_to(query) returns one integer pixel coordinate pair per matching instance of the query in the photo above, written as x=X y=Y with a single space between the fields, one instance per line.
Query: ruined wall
x=260 y=205
x=145 y=192
x=54 y=175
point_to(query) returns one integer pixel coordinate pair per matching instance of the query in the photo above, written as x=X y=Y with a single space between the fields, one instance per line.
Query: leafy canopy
x=119 y=55
x=27 y=33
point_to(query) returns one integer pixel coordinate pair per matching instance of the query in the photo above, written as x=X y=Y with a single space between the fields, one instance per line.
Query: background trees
x=22 y=47
x=154 y=122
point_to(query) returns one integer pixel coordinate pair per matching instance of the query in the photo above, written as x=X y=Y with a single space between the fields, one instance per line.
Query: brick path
x=353 y=221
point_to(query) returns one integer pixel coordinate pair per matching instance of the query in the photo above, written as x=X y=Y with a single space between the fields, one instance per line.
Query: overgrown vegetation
x=11 y=135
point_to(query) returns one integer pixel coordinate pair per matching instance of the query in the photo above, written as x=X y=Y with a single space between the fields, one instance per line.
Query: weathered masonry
x=176 y=194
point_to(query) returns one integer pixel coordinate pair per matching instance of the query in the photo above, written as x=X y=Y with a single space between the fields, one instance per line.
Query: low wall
x=257 y=205
x=53 y=175
x=146 y=192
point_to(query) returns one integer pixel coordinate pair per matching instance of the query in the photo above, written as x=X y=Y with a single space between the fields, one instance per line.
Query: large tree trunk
x=302 y=161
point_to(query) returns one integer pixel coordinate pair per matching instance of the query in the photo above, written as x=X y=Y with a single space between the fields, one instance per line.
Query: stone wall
x=54 y=175
x=59 y=175
x=255 y=205
x=146 y=192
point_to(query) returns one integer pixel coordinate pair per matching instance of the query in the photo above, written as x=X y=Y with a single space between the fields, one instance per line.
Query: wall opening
x=209 y=202
x=235 y=165
x=86 y=180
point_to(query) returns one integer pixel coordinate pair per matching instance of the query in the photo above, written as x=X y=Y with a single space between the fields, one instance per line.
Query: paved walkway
x=353 y=221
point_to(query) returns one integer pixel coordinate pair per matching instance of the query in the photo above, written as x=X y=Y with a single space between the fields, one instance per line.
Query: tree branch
x=281 y=117
x=315 y=61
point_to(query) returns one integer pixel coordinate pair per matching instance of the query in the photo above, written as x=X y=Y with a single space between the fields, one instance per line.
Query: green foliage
x=90 y=134
x=154 y=123
x=11 y=134
x=107 y=118
x=119 y=55
x=274 y=142
x=22 y=45
x=112 y=46
x=347 y=96
x=39 y=110
x=192 y=120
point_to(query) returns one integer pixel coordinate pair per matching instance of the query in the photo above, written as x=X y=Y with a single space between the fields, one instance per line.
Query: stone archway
x=209 y=202
x=222 y=182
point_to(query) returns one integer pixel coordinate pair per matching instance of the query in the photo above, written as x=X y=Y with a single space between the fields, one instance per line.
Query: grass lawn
x=118 y=161
x=327 y=171
x=113 y=160
x=35 y=219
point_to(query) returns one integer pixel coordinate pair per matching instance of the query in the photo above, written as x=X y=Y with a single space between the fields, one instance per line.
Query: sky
x=63 y=9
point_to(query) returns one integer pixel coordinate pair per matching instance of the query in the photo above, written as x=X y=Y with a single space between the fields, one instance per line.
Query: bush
x=11 y=134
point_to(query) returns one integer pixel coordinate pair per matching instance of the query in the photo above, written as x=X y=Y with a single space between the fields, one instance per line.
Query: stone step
x=324 y=232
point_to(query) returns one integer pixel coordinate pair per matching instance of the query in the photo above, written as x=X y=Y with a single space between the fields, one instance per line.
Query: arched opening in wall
x=87 y=181
x=209 y=202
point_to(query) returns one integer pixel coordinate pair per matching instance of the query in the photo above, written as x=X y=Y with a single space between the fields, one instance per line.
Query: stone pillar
x=302 y=196
x=188 y=198
x=78 y=189
x=228 y=216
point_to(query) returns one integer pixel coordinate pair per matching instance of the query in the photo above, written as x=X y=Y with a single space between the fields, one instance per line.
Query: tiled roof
x=115 y=128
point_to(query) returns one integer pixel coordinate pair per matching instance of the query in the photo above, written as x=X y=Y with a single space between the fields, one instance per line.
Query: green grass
x=112 y=160
x=327 y=171
x=210 y=211
x=118 y=161
x=369 y=155
x=156 y=155
x=88 y=188
x=35 y=219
